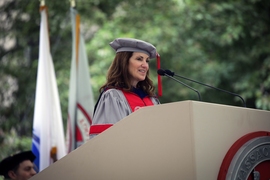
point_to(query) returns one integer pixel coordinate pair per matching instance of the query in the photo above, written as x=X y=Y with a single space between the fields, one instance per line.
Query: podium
x=184 y=140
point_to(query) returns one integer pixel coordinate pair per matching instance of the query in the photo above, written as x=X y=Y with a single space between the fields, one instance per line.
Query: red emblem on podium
x=248 y=158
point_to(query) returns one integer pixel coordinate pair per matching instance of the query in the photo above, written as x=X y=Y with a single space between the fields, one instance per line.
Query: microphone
x=170 y=73
x=161 y=72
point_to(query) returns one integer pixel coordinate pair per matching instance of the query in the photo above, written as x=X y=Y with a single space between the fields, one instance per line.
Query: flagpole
x=72 y=3
x=42 y=2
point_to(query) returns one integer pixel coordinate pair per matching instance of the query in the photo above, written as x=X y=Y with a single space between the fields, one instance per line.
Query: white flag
x=81 y=99
x=48 y=142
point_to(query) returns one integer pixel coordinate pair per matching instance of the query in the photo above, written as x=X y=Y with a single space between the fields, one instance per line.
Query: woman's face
x=138 y=67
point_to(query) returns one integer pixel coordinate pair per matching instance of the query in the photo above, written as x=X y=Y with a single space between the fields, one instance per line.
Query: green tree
x=234 y=39
x=19 y=42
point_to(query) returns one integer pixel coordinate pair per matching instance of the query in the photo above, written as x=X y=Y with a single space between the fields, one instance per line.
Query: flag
x=48 y=143
x=81 y=99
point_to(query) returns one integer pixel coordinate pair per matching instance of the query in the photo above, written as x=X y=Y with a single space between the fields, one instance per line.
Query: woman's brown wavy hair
x=119 y=77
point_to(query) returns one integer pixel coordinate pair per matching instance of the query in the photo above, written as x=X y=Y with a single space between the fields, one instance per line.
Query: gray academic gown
x=112 y=107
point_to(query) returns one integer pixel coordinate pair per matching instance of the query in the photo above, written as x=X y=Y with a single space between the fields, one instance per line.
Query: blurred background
x=225 y=44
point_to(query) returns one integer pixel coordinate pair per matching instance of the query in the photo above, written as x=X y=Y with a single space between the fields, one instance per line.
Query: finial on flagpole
x=72 y=3
x=42 y=2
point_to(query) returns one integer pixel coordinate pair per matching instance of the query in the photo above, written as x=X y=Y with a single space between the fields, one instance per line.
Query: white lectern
x=184 y=140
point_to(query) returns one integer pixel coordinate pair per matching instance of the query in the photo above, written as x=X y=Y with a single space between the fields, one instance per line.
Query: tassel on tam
x=159 y=77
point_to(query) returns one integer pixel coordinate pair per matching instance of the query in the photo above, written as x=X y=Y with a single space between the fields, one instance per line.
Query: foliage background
x=225 y=44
